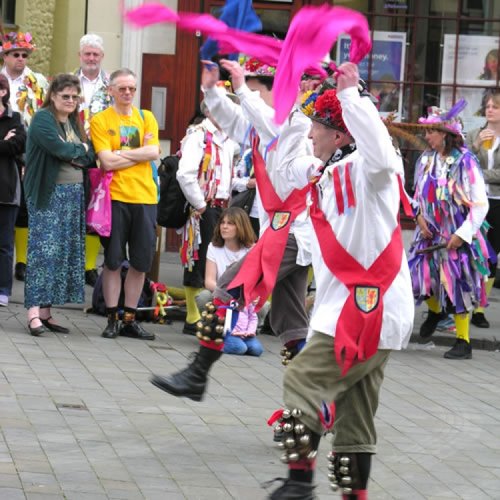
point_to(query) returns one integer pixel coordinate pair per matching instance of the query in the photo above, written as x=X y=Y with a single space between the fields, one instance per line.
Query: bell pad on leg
x=295 y=437
x=343 y=472
x=290 y=350
x=211 y=326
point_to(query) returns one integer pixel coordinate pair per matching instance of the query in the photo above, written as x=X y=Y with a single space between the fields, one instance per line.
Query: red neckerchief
x=359 y=324
x=258 y=273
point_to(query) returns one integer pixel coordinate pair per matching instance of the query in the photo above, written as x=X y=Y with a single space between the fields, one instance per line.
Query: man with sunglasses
x=126 y=141
x=27 y=93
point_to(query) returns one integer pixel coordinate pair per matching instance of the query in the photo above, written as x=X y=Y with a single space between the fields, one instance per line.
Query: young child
x=233 y=237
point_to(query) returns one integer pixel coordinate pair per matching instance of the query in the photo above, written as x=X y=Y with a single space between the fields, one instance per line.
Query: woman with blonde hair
x=484 y=143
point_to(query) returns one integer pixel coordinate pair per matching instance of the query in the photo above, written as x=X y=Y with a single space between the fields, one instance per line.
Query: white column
x=132 y=49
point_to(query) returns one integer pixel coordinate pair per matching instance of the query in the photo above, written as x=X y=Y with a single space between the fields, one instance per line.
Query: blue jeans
x=242 y=345
x=8 y=214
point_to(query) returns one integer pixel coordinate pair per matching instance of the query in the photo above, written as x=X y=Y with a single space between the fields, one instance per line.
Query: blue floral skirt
x=55 y=270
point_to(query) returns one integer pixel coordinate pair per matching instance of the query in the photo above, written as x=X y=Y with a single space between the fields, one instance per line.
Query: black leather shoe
x=53 y=327
x=111 y=331
x=461 y=350
x=479 y=320
x=136 y=331
x=37 y=331
x=91 y=277
x=20 y=271
x=189 y=328
x=428 y=327
x=292 y=490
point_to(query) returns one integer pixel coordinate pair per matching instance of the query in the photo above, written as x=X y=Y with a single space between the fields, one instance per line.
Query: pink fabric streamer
x=312 y=33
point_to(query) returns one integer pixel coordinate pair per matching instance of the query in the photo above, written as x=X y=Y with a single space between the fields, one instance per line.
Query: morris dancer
x=363 y=294
x=452 y=205
x=285 y=265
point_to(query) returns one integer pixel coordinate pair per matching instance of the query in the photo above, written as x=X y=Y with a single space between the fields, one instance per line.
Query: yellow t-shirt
x=110 y=131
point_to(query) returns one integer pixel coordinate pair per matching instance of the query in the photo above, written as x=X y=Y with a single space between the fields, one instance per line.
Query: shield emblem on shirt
x=280 y=220
x=367 y=298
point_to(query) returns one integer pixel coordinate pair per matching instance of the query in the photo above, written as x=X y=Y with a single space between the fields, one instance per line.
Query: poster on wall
x=388 y=63
x=477 y=64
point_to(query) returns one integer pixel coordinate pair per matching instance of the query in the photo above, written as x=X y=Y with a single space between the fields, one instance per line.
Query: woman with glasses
x=12 y=142
x=448 y=258
x=57 y=152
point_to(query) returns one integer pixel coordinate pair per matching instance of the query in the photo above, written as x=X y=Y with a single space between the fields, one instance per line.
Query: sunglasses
x=24 y=55
x=69 y=97
x=124 y=89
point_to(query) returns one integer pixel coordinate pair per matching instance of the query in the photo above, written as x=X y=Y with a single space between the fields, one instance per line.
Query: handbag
x=99 y=207
x=244 y=200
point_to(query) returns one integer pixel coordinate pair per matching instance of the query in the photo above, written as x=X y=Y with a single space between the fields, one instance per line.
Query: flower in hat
x=16 y=40
x=446 y=121
x=254 y=67
x=324 y=107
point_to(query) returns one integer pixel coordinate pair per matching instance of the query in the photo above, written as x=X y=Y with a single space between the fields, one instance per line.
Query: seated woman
x=57 y=150
x=233 y=237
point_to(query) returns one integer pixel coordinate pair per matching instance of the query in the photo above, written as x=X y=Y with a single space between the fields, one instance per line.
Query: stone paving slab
x=79 y=420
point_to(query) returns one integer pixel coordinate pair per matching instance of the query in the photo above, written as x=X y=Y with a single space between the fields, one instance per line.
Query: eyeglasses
x=69 y=97
x=24 y=55
x=124 y=89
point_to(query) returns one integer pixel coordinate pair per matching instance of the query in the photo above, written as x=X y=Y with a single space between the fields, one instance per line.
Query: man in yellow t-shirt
x=126 y=141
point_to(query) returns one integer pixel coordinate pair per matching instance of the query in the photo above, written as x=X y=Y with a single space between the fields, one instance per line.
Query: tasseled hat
x=436 y=119
x=446 y=121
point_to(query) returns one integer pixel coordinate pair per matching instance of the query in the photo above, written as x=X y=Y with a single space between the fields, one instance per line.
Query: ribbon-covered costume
x=450 y=196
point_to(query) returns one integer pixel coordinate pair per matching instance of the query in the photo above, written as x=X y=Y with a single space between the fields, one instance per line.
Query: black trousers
x=196 y=277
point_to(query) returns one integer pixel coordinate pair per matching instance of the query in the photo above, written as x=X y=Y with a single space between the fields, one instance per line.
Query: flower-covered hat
x=254 y=67
x=446 y=121
x=16 y=40
x=324 y=107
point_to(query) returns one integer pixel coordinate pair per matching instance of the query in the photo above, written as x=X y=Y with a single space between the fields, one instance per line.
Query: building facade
x=425 y=52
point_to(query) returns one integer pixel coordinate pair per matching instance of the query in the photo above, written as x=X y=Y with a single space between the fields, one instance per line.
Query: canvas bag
x=99 y=207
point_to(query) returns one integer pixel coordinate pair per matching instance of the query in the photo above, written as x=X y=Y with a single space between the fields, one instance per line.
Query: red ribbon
x=358 y=332
x=337 y=187
x=259 y=271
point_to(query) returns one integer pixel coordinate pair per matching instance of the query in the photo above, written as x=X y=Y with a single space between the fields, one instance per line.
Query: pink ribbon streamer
x=312 y=33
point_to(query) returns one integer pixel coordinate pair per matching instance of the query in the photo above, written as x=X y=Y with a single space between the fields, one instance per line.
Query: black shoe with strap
x=428 y=327
x=135 y=330
x=291 y=490
x=461 y=350
x=192 y=381
x=37 y=330
x=478 y=319
x=53 y=327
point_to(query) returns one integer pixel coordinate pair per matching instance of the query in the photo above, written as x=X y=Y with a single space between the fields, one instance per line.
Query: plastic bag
x=99 y=207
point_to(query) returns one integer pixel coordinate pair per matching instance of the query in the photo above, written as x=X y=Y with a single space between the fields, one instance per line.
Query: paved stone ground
x=79 y=419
